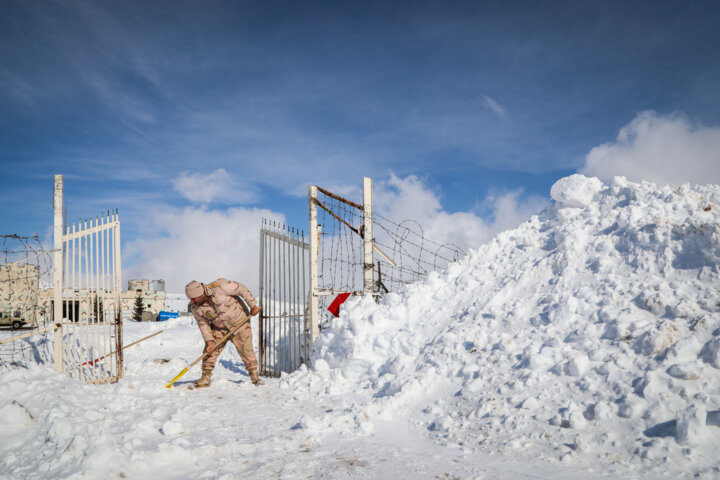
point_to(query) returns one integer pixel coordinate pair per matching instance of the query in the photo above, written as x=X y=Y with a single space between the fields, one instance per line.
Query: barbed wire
x=405 y=254
x=340 y=250
x=414 y=255
x=25 y=272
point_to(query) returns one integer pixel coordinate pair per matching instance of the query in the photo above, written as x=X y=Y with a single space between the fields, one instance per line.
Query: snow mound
x=15 y=419
x=575 y=190
x=588 y=335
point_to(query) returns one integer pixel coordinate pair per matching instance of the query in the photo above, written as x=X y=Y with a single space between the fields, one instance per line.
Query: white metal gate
x=284 y=322
x=89 y=301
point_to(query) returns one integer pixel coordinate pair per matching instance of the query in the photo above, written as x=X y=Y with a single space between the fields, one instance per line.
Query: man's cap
x=194 y=289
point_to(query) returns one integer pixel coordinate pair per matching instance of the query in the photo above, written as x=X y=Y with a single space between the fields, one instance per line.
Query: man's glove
x=209 y=346
x=255 y=310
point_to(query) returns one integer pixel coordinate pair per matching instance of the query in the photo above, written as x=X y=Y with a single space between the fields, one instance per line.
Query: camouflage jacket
x=223 y=310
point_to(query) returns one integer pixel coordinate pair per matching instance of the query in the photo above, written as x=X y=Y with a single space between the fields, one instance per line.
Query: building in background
x=153 y=296
x=23 y=295
x=177 y=302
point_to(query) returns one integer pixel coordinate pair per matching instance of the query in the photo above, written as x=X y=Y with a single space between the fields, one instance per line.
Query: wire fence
x=403 y=254
x=340 y=253
x=414 y=256
x=26 y=273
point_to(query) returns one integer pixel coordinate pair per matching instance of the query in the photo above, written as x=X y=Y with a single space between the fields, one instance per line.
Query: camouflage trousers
x=243 y=343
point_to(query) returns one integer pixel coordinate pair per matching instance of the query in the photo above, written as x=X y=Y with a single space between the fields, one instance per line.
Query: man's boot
x=254 y=377
x=204 y=380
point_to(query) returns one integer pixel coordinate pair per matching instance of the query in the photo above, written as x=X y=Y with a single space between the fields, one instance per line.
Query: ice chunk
x=172 y=427
x=321 y=367
x=710 y=352
x=577 y=420
x=684 y=371
x=575 y=191
x=530 y=403
x=601 y=411
x=577 y=366
x=690 y=424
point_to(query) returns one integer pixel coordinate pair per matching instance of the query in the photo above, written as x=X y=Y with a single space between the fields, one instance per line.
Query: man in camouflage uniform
x=217 y=310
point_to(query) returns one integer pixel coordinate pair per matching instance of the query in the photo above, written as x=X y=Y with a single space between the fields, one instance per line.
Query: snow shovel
x=222 y=341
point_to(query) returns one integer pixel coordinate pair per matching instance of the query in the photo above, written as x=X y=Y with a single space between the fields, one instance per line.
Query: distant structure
x=19 y=292
x=23 y=295
x=153 y=295
x=176 y=302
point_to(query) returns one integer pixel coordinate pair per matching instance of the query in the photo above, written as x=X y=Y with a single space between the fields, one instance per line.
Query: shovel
x=222 y=341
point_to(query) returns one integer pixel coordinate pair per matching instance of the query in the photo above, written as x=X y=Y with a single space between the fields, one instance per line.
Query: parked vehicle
x=14 y=321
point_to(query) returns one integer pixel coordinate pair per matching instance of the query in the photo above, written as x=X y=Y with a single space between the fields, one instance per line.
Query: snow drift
x=590 y=335
x=588 y=338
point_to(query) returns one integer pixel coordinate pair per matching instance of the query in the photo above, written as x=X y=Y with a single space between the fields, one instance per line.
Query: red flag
x=334 y=307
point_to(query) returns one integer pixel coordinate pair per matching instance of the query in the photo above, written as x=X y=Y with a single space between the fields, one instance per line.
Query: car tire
x=16 y=324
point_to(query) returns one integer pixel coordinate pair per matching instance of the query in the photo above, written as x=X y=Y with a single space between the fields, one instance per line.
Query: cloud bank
x=409 y=198
x=664 y=149
x=203 y=243
x=218 y=186
x=199 y=244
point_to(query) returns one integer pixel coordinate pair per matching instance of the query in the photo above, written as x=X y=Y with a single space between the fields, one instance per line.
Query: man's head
x=195 y=292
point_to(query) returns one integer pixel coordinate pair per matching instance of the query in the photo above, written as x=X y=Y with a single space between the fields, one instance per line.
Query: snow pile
x=588 y=335
x=575 y=191
x=586 y=341
x=56 y=427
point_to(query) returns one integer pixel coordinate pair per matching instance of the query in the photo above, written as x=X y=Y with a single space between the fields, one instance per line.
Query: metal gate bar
x=91 y=324
x=284 y=320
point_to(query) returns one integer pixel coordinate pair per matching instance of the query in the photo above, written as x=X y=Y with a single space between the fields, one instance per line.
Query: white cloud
x=409 y=198
x=509 y=211
x=493 y=105
x=204 y=244
x=665 y=149
x=199 y=244
x=212 y=187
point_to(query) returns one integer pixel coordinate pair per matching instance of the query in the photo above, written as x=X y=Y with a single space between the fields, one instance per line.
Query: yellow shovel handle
x=184 y=371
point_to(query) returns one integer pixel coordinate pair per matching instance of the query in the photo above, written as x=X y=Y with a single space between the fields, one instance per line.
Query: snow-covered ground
x=54 y=427
x=584 y=343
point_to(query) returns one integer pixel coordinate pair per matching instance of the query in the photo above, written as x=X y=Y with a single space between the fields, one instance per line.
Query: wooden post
x=314 y=246
x=368 y=239
x=58 y=269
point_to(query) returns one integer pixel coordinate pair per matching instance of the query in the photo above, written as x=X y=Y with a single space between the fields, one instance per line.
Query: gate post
x=314 y=245
x=261 y=297
x=58 y=268
x=118 y=298
x=368 y=240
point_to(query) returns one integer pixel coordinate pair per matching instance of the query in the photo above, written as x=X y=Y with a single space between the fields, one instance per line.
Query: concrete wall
x=19 y=292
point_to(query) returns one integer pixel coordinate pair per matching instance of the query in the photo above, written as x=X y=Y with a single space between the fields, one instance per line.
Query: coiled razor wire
x=414 y=255
x=25 y=275
x=340 y=255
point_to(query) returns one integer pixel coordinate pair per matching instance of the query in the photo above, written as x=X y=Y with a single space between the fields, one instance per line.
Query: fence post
x=58 y=268
x=368 y=238
x=118 y=298
x=261 y=299
x=314 y=245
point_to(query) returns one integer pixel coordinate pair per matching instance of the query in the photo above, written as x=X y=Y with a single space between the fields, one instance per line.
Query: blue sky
x=178 y=113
